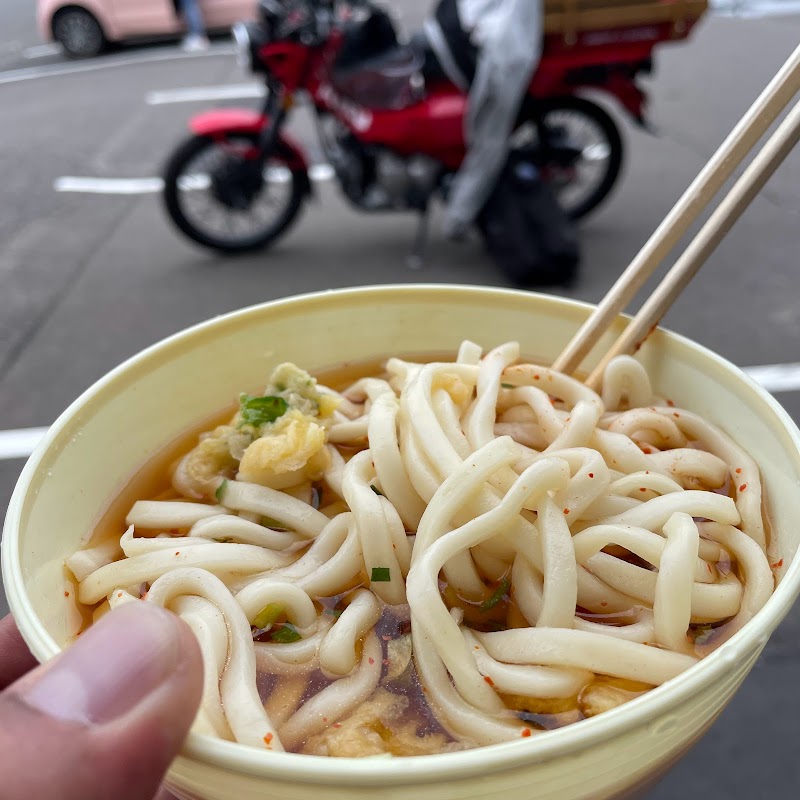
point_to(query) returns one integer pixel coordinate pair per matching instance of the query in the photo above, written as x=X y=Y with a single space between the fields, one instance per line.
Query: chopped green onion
x=285 y=634
x=258 y=411
x=508 y=386
x=381 y=574
x=376 y=489
x=497 y=595
x=268 y=615
x=220 y=493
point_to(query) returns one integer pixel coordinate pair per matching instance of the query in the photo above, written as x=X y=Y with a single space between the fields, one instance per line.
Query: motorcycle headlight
x=244 y=51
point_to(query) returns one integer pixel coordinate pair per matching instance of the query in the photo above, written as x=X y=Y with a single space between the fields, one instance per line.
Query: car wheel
x=79 y=33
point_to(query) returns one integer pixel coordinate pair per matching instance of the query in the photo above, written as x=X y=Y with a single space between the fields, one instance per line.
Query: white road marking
x=133 y=186
x=776 y=377
x=21 y=443
x=196 y=94
x=42 y=51
x=151 y=56
x=755 y=8
x=69 y=183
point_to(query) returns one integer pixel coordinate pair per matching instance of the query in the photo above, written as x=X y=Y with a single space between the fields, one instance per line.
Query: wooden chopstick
x=753 y=125
x=778 y=146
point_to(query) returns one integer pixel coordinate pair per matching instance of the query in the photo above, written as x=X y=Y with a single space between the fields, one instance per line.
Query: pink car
x=85 y=27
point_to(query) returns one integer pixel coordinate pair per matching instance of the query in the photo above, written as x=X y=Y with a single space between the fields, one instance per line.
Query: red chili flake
x=566 y=511
x=647 y=450
x=647 y=472
x=424 y=690
x=337 y=725
x=66 y=594
x=385 y=662
x=738 y=470
x=676 y=415
x=603 y=603
x=386 y=638
x=567 y=420
x=777 y=564
x=488 y=680
x=477 y=647
x=394 y=546
x=642 y=489
x=591 y=474
x=371 y=660
x=177 y=552
x=268 y=739
x=119 y=594
x=670 y=403
x=536 y=377
x=526 y=732
x=742 y=487
x=324 y=719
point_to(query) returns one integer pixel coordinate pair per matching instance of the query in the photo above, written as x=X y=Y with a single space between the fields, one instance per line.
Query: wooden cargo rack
x=570 y=17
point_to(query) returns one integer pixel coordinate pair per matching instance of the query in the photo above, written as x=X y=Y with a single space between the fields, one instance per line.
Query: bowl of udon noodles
x=419 y=562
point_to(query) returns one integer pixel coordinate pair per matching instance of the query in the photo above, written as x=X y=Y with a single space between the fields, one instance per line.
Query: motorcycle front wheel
x=217 y=193
x=581 y=151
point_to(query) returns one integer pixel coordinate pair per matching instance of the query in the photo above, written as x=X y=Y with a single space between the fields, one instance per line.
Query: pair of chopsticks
x=773 y=100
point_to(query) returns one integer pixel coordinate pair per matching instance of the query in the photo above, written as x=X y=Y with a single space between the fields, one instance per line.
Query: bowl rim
x=411 y=770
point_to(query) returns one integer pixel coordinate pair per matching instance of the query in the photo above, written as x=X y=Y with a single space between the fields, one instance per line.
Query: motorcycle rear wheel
x=181 y=185
x=597 y=135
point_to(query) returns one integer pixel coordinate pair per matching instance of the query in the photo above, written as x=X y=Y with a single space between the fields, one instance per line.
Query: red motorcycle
x=390 y=122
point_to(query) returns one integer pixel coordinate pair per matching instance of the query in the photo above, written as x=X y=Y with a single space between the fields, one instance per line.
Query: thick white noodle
x=427 y=607
x=336 y=700
x=243 y=708
x=591 y=651
x=84 y=562
x=214 y=558
x=338 y=653
x=244 y=532
x=208 y=625
x=297 y=605
x=290 y=512
x=391 y=471
x=672 y=604
x=374 y=531
x=625 y=379
x=528 y=681
x=166 y=514
x=759 y=582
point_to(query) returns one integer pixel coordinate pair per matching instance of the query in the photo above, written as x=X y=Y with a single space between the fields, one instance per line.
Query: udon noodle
x=443 y=555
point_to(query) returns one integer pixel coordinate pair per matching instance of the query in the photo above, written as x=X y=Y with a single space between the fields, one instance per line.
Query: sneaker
x=194 y=43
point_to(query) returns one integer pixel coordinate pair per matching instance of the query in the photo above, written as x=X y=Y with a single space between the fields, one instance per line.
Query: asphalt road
x=88 y=280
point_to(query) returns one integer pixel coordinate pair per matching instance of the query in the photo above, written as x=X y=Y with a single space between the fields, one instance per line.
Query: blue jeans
x=192 y=16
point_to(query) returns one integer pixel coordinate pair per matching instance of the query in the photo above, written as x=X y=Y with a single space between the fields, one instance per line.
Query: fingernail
x=112 y=667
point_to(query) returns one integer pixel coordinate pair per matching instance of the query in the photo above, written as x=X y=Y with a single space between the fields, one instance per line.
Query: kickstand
x=416 y=258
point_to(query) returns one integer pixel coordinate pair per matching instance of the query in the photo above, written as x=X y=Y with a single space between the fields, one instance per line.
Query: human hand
x=103 y=720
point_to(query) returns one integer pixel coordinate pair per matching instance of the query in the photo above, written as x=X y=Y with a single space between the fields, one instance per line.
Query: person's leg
x=193 y=18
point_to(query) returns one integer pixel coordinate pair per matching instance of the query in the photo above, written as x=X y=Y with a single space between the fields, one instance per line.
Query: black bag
x=525 y=230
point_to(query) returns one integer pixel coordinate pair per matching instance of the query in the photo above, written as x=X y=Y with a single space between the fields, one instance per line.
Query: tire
x=181 y=160
x=598 y=117
x=78 y=32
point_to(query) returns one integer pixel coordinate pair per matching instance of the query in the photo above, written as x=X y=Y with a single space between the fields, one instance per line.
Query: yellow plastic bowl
x=112 y=430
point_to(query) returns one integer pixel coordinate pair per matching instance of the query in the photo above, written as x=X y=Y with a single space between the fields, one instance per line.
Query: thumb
x=105 y=718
